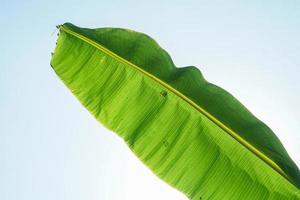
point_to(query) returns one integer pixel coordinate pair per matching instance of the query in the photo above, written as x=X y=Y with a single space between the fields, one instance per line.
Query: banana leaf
x=191 y=133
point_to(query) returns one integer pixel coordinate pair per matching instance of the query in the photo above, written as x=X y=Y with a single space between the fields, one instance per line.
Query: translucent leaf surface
x=192 y=134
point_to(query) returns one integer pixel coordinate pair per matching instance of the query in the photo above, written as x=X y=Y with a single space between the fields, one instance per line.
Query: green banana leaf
x=192 y=134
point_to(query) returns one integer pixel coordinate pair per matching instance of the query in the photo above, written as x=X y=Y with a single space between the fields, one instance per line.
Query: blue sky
x=52 y=148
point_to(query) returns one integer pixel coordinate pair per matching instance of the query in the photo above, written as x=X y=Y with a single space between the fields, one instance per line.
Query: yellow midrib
x=233 y=134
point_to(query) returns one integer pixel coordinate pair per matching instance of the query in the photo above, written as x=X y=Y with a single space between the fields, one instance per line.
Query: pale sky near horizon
x=52 y=148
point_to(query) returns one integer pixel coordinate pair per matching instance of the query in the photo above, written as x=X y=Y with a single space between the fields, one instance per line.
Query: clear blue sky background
x=52 y=148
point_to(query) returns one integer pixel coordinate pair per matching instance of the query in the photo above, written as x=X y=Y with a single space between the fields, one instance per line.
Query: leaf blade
x=55 y=63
